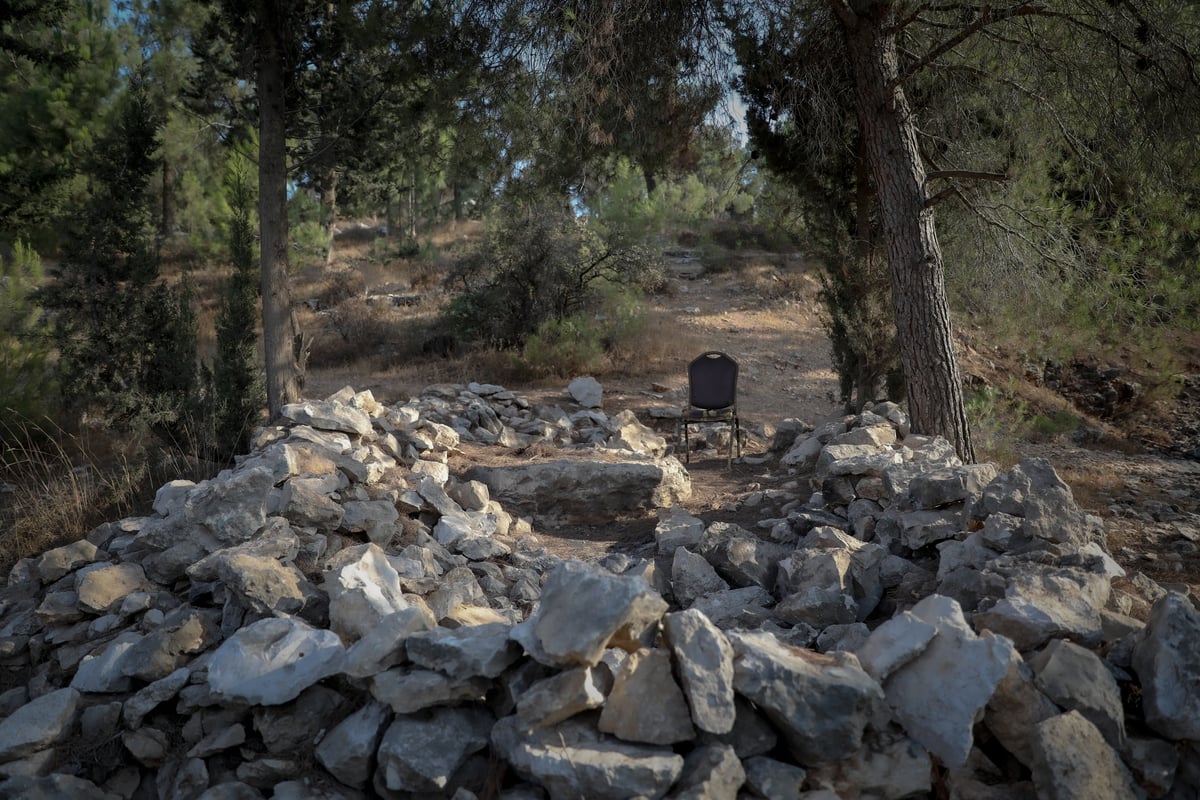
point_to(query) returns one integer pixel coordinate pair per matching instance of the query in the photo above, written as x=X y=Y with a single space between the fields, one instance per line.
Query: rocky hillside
x=343 y=616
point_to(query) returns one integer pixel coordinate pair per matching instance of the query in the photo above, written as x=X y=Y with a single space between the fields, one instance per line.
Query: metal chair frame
x=712 y=397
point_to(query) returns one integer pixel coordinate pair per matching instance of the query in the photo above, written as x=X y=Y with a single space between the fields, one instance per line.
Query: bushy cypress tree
x=126 y=340
x=238 y=393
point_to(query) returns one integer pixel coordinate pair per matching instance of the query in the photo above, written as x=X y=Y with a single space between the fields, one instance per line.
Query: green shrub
x=1052 y=425
x=997 y=422
x=408 y=248
x=307 y=235
x=581 y=343
x=565 y=347
x=538 y=265
x=126 y=340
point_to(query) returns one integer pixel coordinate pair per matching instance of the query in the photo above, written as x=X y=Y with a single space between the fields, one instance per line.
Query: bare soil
x=763 y=312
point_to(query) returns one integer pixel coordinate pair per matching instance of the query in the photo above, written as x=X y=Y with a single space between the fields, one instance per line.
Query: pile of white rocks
x=339 y=617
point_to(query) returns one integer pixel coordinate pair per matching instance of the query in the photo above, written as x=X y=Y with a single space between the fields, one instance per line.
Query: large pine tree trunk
x=279 y=334
x=923 y=332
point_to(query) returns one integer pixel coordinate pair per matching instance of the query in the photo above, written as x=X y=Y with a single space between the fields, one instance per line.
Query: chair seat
x=715 y=414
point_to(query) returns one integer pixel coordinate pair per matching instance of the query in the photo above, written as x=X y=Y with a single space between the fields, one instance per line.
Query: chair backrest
x=712 y=380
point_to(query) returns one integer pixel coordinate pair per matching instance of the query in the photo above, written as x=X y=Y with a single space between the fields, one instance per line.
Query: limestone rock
x=895 y=643
x=56 y=563
x=943 y=487
x=889 y=766
x=1167 y=662
x=586 y=391
x=376 y=518
x=1033 y=491
x=630 y=434
x=225 y=511
x=305 y=505
x=571 y=759
x=566 y=489
x=363 y=588
x=1073 y=762
x=1016 y=708
x=292 y=727
x=693 y=577
x=149 y=697
x=710 y=772
x=38 y=724
x=272 y=661
x=262 y=583
x=348 y=750
x=328 y=415
x=558 y=697
x=646 y=704
x=1077 y=680
x=171 y=646
x=773 y=780
x=100 y=586
x=421 y=753
x=1041 y=603
x=676 y=528
x=704 y=659
x=740 y=557
x=585 y=609
x=937 y=695
x=408 y=689
x=736 y=608
x=383 y=646
x=820 y=703
x=53 y=787
x=103 y=671
x=483 y=650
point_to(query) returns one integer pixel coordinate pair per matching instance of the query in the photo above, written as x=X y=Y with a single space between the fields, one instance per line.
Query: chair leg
x=729 y=457
x=687 y=450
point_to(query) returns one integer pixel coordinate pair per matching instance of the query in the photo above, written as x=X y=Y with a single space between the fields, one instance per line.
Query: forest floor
x=763 y=311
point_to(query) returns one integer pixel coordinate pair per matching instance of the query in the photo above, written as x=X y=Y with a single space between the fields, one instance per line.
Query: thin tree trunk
x=412 y=212
x=167 y=224
x=923 y=331
x=329 y=207
x=279 y=334
x=651 y=181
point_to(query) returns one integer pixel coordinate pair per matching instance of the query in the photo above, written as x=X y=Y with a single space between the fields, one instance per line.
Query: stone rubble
x=338 y=616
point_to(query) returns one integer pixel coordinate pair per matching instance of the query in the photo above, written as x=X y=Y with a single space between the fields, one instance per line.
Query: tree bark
x=279 y=332
x=167 y=223
x=329 y=181
x=651 y=180
x=923 y=330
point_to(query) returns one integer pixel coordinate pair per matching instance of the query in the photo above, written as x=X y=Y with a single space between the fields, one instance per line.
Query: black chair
x=712 y=397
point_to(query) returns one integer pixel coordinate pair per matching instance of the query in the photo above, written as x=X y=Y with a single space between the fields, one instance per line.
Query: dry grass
x=58 y=487
x=663 y=344
x=1092 y=486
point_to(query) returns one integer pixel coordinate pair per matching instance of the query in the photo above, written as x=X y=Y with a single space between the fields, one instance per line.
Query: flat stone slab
x=587 y=488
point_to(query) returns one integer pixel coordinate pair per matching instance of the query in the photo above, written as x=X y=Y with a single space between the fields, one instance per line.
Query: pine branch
x=967 y=174
x=986 y=18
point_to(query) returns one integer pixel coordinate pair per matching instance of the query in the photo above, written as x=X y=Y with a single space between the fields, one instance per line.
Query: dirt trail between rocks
x=784 y=372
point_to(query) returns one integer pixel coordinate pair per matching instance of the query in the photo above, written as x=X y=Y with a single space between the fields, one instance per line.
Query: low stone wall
x=340 y=617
